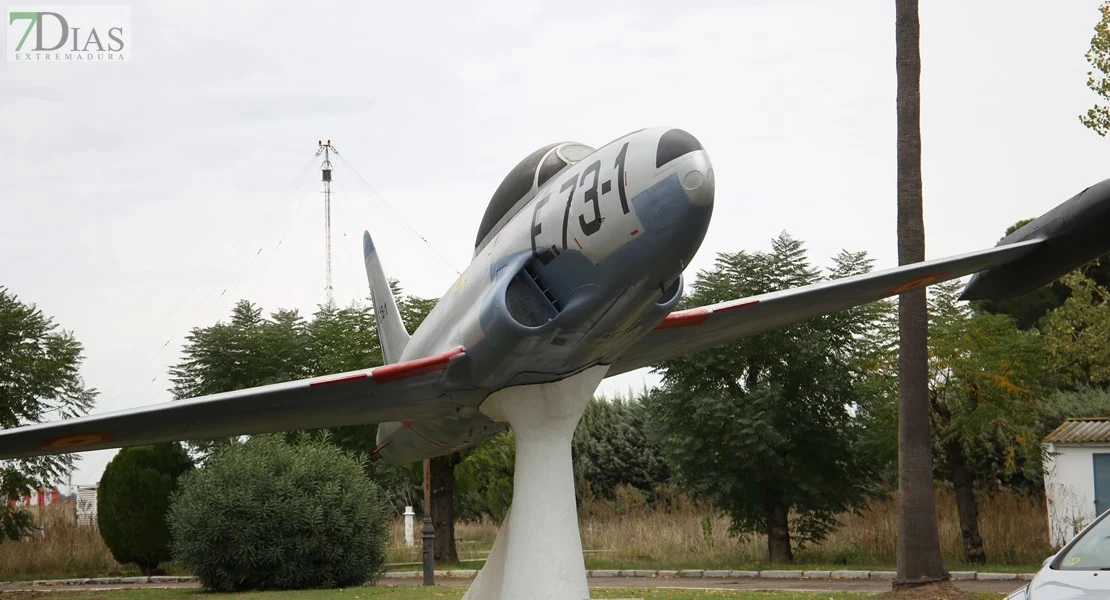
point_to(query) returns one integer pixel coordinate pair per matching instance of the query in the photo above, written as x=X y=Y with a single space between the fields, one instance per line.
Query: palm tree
x=919 y=560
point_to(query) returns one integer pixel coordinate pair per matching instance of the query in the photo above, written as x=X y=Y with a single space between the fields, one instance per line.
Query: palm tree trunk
x=919 y=559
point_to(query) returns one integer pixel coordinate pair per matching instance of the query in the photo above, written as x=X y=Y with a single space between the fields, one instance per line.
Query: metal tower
x=325 y=173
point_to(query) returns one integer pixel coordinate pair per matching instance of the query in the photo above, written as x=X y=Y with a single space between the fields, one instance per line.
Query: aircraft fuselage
x=579 y=272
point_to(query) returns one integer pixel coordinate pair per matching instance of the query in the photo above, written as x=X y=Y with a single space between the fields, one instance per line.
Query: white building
x=1077 y=476
x=86 y=504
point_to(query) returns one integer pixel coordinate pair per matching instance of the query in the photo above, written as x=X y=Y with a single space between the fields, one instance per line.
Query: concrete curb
x=103 y=581
x=720 y=573
x=601 y=573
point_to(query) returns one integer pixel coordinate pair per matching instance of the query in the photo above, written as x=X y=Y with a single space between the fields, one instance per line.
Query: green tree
x=250 y=350
x=267 y=514
x=985 y=376
x=133 y=500
x=1097 y=117
x=484 y=478
x=612 y=447
x=346 y=339
x=1059 y=405
x=246 y=351
x=342 y=339
x=39 y=381
x=763 y=426
x=877 y=385
x=1076 y=332
x=414 y=310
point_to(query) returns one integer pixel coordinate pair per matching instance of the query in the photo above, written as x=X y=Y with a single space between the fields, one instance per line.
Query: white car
x=1079 y=571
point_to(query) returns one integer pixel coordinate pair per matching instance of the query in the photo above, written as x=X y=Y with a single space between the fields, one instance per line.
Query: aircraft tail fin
x=391 y=330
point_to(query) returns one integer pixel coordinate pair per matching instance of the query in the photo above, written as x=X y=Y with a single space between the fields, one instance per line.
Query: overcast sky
x=142 y=199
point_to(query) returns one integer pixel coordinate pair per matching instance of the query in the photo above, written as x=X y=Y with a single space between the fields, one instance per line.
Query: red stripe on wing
x=412 y=368
x=734 y=305
x=922 y=281
x=354 y=377
x=75 y=440
x=685 y=318
x=697 y=316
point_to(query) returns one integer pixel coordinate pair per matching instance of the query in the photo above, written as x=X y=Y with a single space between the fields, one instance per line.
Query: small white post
x=409 y=541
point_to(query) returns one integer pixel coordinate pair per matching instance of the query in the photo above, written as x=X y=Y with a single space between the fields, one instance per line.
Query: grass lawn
x=438 y=592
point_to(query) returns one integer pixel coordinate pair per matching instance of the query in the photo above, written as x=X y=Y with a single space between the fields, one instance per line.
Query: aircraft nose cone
x=695 y=173
x=698 y=183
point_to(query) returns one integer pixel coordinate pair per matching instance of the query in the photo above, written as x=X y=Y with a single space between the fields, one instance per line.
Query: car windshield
x=1091 y=551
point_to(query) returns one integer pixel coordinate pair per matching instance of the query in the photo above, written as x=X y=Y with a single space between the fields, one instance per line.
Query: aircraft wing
x=686 y=331
x=396 y=392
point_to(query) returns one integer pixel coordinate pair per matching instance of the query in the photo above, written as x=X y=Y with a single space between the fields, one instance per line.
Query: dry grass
x=473 y=540
x=1014 y=527
x=61 y=549
x=621 y=534
x=626 y=534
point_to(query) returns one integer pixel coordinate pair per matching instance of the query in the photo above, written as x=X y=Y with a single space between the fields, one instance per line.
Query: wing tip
x=367 y=244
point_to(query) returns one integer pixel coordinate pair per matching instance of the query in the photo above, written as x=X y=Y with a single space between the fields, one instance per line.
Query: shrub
x=267 y=514
x=133 y=499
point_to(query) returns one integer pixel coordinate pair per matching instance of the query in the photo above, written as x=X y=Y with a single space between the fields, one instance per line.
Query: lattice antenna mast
x=327 y=149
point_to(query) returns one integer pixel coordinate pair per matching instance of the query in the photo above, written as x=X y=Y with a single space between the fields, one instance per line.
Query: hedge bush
x=267 y=514
x=133 y=499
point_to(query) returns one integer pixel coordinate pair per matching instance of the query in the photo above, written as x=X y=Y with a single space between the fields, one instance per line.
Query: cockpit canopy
x=524 y=180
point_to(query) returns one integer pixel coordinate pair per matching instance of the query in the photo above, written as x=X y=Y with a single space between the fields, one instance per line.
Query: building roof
x=1080 y=431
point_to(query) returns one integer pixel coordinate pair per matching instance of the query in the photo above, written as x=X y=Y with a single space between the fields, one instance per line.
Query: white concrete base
x=538 y=552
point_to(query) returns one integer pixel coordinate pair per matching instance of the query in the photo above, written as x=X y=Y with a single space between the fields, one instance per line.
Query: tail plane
x=391 y=330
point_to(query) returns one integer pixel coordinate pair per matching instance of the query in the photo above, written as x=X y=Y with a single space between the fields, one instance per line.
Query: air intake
x=529 y=300
x=546 y=291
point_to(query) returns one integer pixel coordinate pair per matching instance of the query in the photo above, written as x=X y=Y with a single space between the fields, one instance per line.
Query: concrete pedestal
x=538 y=552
